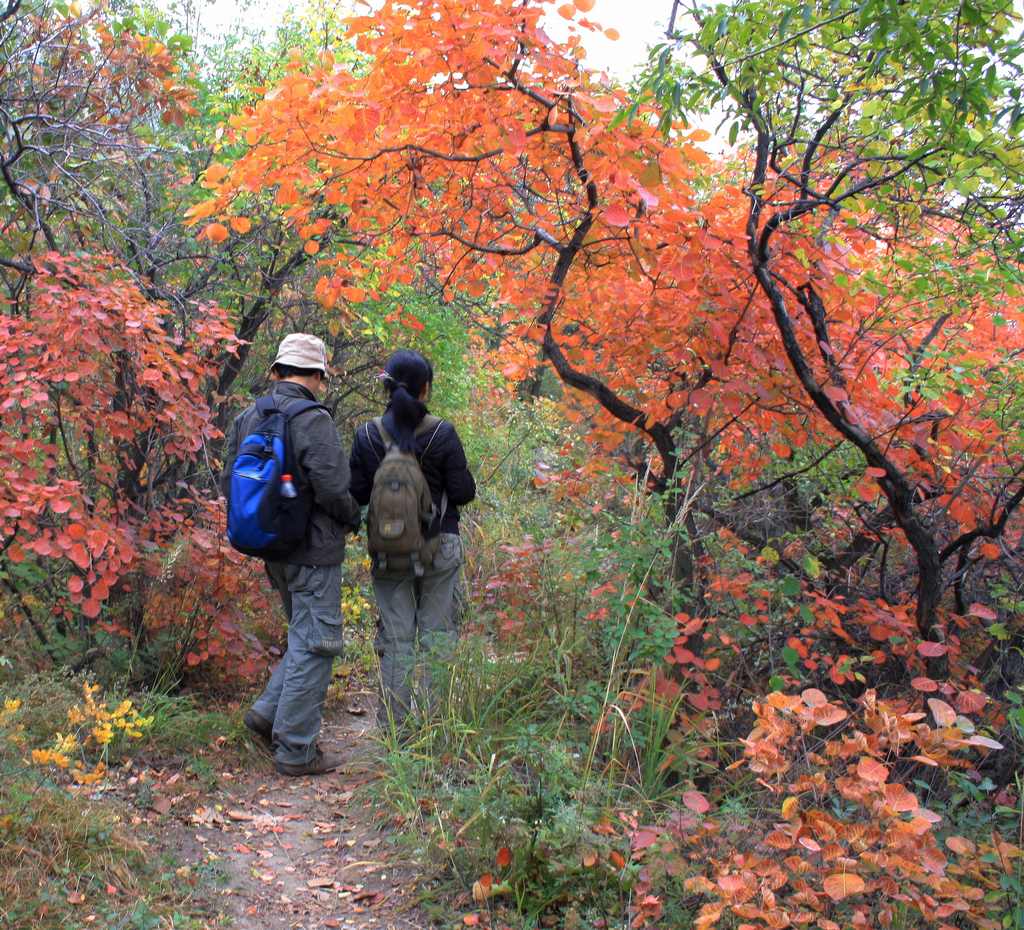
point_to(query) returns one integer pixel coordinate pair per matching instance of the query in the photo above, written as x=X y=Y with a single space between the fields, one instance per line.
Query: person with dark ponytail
x=415 y=596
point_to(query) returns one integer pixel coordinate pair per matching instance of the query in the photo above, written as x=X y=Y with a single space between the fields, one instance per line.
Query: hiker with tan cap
x=286 y=447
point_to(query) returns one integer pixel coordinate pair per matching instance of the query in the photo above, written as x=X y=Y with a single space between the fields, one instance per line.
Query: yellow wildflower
x=49 y=757
x=103 y=733
x=122 y=710
x=83 y=777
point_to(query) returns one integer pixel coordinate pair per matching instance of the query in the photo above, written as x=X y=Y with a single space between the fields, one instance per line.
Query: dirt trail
x=302 y=853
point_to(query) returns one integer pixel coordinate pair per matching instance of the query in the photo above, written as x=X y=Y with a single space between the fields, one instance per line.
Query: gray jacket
x=324 y=464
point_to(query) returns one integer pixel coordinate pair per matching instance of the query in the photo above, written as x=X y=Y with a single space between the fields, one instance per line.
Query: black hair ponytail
x=405 y=376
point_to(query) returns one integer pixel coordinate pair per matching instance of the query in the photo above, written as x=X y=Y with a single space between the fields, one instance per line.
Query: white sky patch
x=640 y=23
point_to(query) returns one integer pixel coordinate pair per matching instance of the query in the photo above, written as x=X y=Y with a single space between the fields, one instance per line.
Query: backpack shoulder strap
x=292 y=462
x=266 y=404
x=383 y=433
x=301 y=407
x=435 y=425
x=428 y=423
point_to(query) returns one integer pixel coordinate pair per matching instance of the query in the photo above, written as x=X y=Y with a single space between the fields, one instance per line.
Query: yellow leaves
x=101 y=724
x=83 y=776
x=103 y=734
x=843 y=884
x=791 y=807
x=49 y=757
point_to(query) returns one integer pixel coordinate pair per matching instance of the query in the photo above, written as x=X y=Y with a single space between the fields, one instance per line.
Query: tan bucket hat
x=301 y=350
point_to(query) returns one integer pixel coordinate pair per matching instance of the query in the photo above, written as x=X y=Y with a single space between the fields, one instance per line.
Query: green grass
x=502 y=762
x=67 y=859
x=66 y=862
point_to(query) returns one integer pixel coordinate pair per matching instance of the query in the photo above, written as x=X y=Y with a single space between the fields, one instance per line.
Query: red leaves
x=982 y=612
x=504 y=858
x=215 y=233
x=69 y=505
x=78 y=554
x=932 y=650
x=644 y=838
x=91 y=608
x=696 y=802
x=616 y=215
x=900 y=799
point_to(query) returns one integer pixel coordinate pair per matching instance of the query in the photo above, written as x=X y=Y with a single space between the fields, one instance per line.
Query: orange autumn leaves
x=855 y=847
x=442 y=147
x=468 y=140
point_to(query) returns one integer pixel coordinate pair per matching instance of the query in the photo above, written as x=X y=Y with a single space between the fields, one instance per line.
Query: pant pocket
x=326 y=639
x=449 y=554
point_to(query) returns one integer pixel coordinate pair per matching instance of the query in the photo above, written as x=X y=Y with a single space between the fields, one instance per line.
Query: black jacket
x=444 y=466
x=321 y=456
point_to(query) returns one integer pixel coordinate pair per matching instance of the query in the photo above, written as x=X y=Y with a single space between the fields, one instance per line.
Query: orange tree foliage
x=851 y=846
x=467 y=135
x=902 y=124
x=105 y=423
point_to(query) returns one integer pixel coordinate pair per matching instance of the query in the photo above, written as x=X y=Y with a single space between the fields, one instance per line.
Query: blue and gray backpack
x=261 y=520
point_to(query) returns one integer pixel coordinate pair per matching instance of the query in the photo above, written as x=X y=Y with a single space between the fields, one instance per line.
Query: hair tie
x=388 y=378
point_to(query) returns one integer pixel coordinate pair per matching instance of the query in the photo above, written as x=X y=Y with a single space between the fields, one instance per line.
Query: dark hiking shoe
x=259 y=726
x=320 y=764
